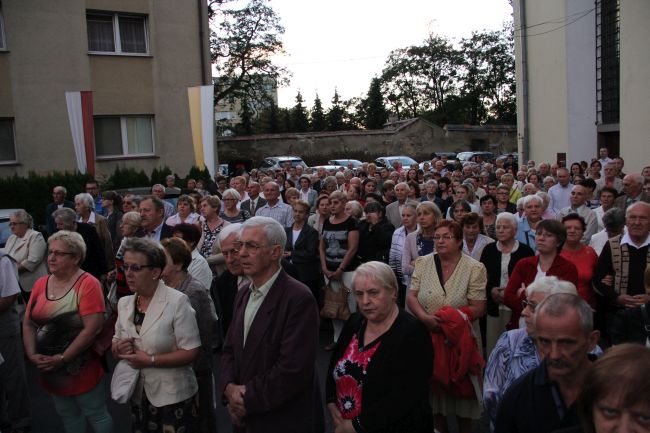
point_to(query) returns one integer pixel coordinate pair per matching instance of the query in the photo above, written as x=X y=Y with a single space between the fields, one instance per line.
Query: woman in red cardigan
x=549 y=238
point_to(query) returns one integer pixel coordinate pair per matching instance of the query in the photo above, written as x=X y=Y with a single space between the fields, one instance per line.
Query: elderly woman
x=420 y=243
x=230 y=212
x=156 y=332
x=27 y=247
x=499 y=260
x=62 y=319
x=84 y=205
x=533 y=209
x=409 y=225
x=130 y=226
x=583 y=257
x=322 y=213
x=212 y=225
x=375 y=233
x=185 y=212
x=176 y=275
x=112 y=204
x=473 y=240
x=550 y=236
x=449 y=278
x=301 y=248
x=368 y=388
x=354 y=209
x=514 y=353
x=306 y=192
x=615 y=396
x=94 y=261
x=338 y=253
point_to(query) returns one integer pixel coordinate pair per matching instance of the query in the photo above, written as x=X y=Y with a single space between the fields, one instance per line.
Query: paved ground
x=46 y=420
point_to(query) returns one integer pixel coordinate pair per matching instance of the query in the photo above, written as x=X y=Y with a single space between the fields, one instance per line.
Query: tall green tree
x=374 y=110
x=317 y=116
x=245 y=127
x=335 y=114
x=244 y=40
x=299 y=119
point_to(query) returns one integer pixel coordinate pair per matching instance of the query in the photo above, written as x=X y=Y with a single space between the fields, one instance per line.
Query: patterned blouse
x=209 y=237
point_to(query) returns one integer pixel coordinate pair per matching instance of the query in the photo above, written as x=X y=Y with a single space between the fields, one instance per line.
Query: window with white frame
x=7 y=141
x=117 y=33
x=123 y=136
x=3 y=43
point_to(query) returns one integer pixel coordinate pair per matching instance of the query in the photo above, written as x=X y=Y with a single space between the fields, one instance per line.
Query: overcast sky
x=344 y=43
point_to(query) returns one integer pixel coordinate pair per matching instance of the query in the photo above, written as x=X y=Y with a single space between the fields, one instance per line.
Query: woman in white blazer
x=156 y=332
x=28 y=248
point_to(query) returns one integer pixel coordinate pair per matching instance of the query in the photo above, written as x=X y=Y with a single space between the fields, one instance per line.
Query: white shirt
x=625 y=239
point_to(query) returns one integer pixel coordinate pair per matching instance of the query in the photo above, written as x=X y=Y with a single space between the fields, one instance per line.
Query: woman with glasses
x=550 y=236
x=27 y=248
x=420 y=243
x=230 y=213
x=157 y=333
x=514 y=353
x=62 y=319
x=449 y=278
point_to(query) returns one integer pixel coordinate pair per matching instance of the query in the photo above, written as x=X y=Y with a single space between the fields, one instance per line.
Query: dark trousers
x=14 y=395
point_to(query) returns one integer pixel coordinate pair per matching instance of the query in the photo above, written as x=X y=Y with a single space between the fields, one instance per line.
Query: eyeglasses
x=443 y=238
x=252 y=247
x=529 y=304
x=58 y=254
x=230 y=253
x=135 y=267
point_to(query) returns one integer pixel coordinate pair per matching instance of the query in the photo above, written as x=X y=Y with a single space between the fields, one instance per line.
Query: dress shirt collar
x=626 y=239
x=263 y=290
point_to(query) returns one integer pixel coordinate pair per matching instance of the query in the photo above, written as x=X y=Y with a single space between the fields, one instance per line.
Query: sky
x=344 y=43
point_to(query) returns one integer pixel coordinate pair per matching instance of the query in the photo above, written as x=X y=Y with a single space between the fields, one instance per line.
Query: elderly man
x=609 y=179
x=274 y=207
x=633 y=191
x=58 y=196
x=544 y=399
x=578 y=205
x=153 y=219
x=394 y=210
x=159 y=191
x=623 y=258
x=268 y=368
x=560 y=193
x=319 y=183
x=254 y=201
x=170 y=183
x=239 y=184
x=613 y=225
x=95 y=260
x=225 y=287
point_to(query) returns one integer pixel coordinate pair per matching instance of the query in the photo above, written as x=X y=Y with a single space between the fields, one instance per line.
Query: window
x=3 y=44
x=117 y=33
x=7 y=142
x=123 y=136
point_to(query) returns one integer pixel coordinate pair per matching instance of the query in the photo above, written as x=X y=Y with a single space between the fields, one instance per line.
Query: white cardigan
x=30 y=251
x=169 y=325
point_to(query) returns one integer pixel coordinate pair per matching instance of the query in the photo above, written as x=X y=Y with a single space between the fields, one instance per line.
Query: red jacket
x=525 y=272
x=457 y=355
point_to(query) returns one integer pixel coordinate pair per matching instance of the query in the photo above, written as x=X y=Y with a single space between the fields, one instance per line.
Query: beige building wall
x=635 y=88
x=48 y=55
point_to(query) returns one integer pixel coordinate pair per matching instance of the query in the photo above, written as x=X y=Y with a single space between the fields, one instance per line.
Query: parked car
x=5 y=231
x=277 y=162
x=504 y=157
x=449 y=155
x=330 y=169
x=465 y=157
x=344 y=162
x=387 y=161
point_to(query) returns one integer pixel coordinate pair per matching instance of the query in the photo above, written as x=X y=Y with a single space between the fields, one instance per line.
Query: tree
x=245 y=127
x=242 y=44
x=335 y=114
x=299 y=120
x=318 y=122
x=374 y=111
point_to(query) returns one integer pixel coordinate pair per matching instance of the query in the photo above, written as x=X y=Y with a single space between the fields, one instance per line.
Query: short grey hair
x=152 y=250
x=557 y=305
x=510 y=217
x=227 y=231
x=329 y=180
x=232 y=192
x=642 y=204
x=614 y=219
x=431 y=182
x=549 y=179
x=273 y=230
x=23 y=217
x=550 y=286
x=158 y=186
x=132 y=217
x=73 y=241
x=357 y=209
x=66 y=216
x=86 y=199
x=379 y=272
x=531 y=198
x=60 y=188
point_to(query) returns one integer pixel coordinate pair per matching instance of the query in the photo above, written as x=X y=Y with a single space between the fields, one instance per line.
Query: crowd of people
x=453 y=291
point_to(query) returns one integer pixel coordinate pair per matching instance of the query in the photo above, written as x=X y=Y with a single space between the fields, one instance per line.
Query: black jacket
x=629 y=325
x=304 y=254
x=374 y=242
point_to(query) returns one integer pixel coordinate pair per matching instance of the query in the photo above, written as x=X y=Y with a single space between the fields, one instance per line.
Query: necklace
x=138 y=305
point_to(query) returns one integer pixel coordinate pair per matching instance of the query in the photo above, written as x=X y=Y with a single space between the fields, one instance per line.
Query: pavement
x=46 y=420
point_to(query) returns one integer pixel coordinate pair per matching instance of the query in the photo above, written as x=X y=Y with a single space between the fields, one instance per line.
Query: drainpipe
x=205 y=80
x=523 y=38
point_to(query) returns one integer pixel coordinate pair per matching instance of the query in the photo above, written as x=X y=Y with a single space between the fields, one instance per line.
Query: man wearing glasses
x=268 y=376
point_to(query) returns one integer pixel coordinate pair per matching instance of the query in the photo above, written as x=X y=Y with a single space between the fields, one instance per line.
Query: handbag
x=335 y=305
x=125 y=379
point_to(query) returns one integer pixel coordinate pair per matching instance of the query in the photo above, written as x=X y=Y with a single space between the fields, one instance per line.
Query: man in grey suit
x=633 y=191
x=394 y=210
x=254 y=201
x=268 y=366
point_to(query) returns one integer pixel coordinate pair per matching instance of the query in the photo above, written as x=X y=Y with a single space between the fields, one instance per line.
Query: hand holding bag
x=125 y=379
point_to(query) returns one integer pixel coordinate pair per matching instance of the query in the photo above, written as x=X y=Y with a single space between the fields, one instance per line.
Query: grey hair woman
x=27 y=248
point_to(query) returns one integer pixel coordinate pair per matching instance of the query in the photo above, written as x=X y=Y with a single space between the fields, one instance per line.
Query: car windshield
x=5 y=231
